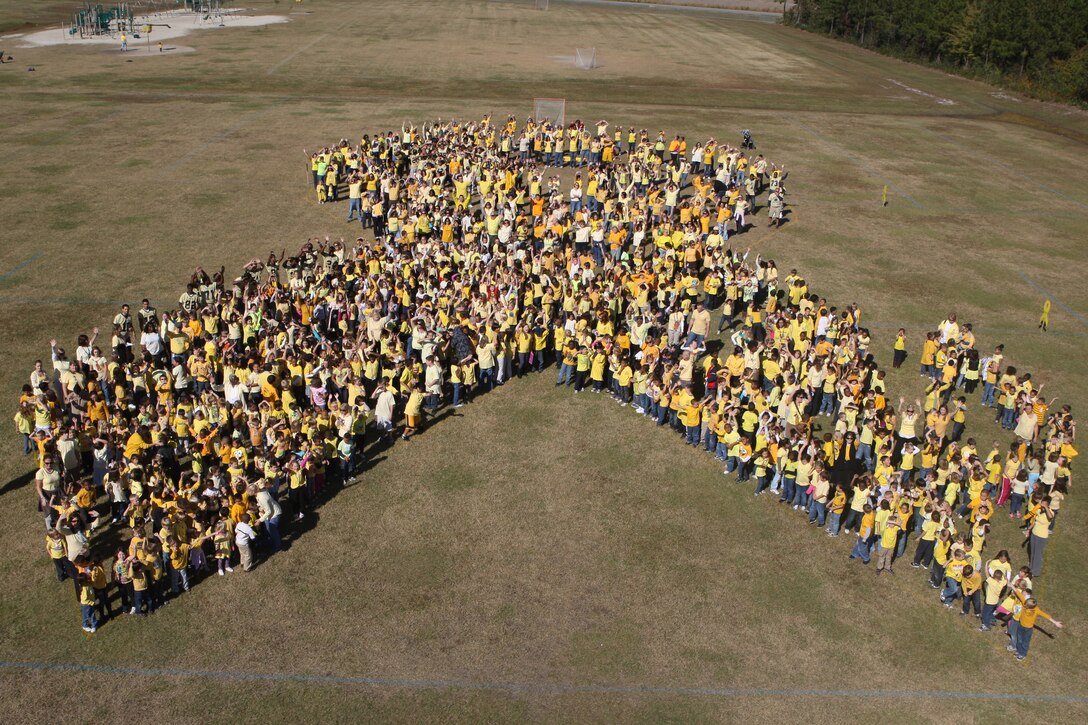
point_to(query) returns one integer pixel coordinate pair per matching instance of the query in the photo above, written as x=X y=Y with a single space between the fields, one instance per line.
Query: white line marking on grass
x=866 y=166
x=540 y=687
x=758 y=16
x=212 y=141
x=1080 y=318
x=1017 y=174
x=273 y=68
x=32 y=258
x=918 y=91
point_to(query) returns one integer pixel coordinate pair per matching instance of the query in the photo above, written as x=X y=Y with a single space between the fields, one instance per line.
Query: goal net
x=585 y=58
x=550 y=109
x=541 y=4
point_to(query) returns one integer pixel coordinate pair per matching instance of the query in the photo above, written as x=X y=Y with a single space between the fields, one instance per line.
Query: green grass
x=540 y=537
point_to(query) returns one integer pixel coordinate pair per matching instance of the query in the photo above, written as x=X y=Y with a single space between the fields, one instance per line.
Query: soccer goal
x=585 y=58
x=550 y=109
x=541 y=4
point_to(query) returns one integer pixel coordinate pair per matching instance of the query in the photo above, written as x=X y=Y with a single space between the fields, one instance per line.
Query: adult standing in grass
x=1025 y=614
x=1038 y=535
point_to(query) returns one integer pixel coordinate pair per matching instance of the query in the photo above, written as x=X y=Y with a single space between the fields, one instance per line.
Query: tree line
x=1036 y=46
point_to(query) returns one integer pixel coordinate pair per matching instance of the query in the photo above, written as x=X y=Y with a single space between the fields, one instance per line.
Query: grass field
x=577 y=559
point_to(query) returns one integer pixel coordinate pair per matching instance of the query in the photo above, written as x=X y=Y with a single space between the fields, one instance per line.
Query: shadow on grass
x=16 y=483
x=106 y=540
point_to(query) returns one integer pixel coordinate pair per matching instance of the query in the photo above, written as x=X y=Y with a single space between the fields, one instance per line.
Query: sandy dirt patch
x=181 y=24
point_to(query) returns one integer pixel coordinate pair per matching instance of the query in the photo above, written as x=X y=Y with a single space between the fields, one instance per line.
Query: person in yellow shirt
x=1038 y=535
x=623 y=382
x=413 y=411
x=972 y=590
x=953 y=577
x=87 y=603
x=691 y=416
x=865 y=535
x=1025 y=614
x=835 y=510
x=929 y=356
x=886 y=545
x=942 y=552
x=743 y=453
x=993 y=589
x=57 y=549
x=899 y=349
x=596 y=370
x=179 y=554
x=583 y=363
x=927 y=540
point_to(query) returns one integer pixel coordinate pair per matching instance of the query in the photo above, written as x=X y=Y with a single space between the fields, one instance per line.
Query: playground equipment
x=146 y=28
x=210 y=11
x=95 y=20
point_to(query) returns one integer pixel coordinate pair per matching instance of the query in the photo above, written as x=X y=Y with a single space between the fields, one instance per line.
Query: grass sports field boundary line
x=537 y=687
x=1079 y=317
x=29 y=260
x=875 y=173
x=1013 y=172
x=755 y=16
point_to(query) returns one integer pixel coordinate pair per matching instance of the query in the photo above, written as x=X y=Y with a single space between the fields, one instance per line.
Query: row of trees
x=1035 y=45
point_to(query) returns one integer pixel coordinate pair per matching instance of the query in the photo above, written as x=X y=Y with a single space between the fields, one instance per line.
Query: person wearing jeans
x=972 y=591
x=835 y=509
x=1022 y=626
x=953 y=576
x=87 y=603
x=992 y=589
x=270 y=512
x=865 y=533
x=818 y=510
x=566 y=371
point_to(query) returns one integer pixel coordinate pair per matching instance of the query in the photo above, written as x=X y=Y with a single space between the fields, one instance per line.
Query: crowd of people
x=197 y=431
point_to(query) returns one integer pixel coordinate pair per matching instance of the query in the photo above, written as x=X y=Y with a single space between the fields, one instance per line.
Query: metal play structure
x=210 y=11
x=95 y=20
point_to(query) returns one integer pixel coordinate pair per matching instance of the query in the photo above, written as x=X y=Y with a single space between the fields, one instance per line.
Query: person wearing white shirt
x=433 y=384
x=383 y=408
x=243 y=539
x=270 y=512
x=233 y=391
x=151 y=342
